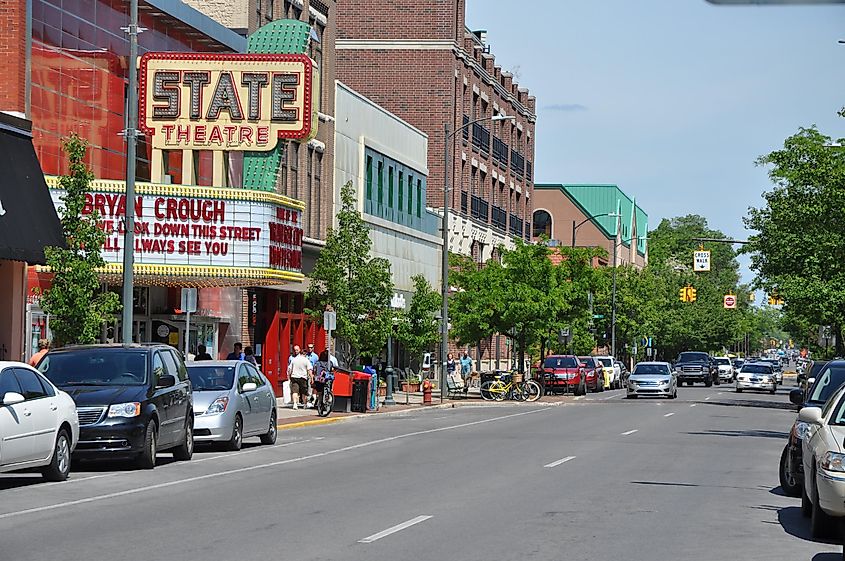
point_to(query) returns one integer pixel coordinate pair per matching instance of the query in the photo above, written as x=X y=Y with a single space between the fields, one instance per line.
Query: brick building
x=419 y=61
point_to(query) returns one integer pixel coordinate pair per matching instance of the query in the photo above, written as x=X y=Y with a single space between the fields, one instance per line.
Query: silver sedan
x=232 y=401
x=653 y=379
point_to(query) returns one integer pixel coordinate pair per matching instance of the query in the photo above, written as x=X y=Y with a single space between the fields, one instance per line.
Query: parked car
x=825 y=384
x=811 y=373
x=693 y=366
x=756 y=376
x=823 y=457
x=612 y=372
x=652 y=379
x=593 y=373
x=725 y=368
x=737 y=364
x=232 y=401
x=564 y=373
x=777 y=368
x=38 y=423
x=132 y=400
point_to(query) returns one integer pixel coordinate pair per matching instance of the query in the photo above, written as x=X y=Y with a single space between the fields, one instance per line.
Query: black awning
x=28 y=219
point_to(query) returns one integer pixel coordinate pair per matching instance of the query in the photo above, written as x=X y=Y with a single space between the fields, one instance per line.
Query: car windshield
x=606 y=361
x=96 y=367
x=693 y=357
x=756 y=369
x=211 y=378
x=588 y=360
x=561 y=362
x=826 y=383
x=723 y=361
x=646 y=369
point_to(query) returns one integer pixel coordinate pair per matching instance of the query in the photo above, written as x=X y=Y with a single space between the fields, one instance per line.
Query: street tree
x=418 y=329
x=799 y=248
x=355 y=285
x=75 y=302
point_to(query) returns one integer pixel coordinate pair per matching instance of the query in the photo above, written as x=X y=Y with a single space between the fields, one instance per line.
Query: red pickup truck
x=564 y=373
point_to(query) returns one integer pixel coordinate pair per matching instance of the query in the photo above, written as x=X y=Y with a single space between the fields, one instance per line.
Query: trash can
x=342 y=390
x=360 y=392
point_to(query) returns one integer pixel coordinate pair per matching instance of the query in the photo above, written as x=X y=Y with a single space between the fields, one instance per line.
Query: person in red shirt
x=43 y=348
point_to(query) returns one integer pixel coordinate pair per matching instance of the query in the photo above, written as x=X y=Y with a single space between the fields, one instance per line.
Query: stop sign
x=730 y=301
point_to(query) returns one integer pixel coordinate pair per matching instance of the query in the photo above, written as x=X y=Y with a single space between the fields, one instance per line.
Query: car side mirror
x=249 y=387
x=166 y=381
x=11 y=398
x=796 y=397
x=812 y=415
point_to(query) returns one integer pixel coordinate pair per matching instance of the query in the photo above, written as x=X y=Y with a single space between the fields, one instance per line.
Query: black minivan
x=132 y=400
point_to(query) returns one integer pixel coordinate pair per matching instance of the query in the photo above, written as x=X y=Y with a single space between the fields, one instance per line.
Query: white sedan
x=823 y=457
x=38 y=423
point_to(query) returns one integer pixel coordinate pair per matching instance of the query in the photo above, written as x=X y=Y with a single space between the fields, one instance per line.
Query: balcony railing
x=481 y=137
x=499 y=218
x=501 y=151
x=529 y=170
x=517 y=162
x=516 y=226
x=464 y=202
x=479 y=209
x=466 y=128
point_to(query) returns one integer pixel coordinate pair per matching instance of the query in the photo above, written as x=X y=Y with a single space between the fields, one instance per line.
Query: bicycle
x=498 y=390
x=325 y=399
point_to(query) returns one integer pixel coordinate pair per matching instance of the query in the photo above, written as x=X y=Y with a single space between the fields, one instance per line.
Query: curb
x=311 y=423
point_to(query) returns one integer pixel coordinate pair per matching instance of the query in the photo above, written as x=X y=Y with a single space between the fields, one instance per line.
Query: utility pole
x=444 y=287
x=130 y=135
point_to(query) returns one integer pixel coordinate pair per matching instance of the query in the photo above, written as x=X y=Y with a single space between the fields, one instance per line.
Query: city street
x=597 y=478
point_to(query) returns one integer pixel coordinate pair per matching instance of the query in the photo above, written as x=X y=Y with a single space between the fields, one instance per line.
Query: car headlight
x=218 y=406
x=800 y=429
x=765 y=379
x=125 y=409
x=833 y=461
x=666 y=382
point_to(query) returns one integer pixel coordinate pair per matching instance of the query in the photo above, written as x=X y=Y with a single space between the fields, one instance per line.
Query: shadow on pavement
x=23 y=479
x=827 y=557
x=753 y=403
x=796 y=525
x=743 y=433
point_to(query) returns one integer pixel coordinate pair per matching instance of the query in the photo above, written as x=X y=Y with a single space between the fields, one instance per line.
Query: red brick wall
x=13 y=55
x=400 y=19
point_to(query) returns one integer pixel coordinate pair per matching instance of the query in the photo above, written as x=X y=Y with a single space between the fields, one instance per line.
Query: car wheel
x=185 y=451
x=708 y=383
x=147 y=458
x=738 y=390
x=821 y=524
x=59 y=466
x=269 y=438
x=631 y=396
x=788 y=483
x=237 y=439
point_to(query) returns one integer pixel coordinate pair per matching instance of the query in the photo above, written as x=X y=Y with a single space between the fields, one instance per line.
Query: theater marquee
x=198 y=236
x=236 y=102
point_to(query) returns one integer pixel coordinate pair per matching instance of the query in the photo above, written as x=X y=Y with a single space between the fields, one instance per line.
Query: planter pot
x=406 y=387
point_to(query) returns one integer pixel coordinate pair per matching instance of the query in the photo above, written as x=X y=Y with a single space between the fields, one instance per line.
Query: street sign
x=701 y=261
x=598 y=316
x=646 y=341
x=329 y=321
x=189 y=300
x=730 y=302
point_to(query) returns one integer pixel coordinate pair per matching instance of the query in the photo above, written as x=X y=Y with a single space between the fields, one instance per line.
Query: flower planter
x=406 y=387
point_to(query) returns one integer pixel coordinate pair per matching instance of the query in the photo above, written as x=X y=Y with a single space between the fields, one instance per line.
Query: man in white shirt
x=299 y=370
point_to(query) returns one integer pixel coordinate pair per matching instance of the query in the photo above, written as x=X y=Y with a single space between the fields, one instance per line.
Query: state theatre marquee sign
x=198 y=236
x=233 y=102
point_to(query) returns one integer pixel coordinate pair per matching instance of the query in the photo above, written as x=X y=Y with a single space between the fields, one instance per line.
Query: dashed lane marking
x=558 y=462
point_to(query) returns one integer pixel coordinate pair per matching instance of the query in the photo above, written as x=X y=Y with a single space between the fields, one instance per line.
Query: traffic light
x=775 y=300
x=692 y=294
x=683 y=294
x=687 y=294
x=752 y=297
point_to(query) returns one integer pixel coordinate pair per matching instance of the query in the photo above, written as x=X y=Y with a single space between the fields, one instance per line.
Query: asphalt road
x=593 y=479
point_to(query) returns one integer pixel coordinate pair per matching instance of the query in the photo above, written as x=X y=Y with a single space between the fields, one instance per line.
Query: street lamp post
x=613 y=300
x=576 y=226
x=444 y=275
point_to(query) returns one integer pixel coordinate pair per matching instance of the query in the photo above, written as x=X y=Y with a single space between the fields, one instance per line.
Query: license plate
x=755 y=379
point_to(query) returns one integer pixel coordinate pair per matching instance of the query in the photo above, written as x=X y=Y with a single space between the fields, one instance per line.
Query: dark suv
x=692 y=366
x=132 y=400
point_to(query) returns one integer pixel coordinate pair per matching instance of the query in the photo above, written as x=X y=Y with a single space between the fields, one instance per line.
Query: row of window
x=392 y=185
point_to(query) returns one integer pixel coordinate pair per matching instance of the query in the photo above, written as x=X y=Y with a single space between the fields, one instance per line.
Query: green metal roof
x=593 y=200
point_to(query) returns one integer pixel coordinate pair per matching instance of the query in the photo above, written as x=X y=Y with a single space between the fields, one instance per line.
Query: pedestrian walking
x=249 y=356
x=202 y=353
x=322 y=374
x=466 y=366
x=43 y=349
x=451 y=365
x=237 y=352
x=299 y=370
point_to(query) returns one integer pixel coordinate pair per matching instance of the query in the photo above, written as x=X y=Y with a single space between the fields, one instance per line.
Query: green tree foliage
x=356 y=286
x=418 y=330
x=799 y=250
x=525 y=296
x=76 y=304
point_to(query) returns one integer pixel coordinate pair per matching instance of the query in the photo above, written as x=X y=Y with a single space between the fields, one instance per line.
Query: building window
x=369 y=178
x=542 y=224
x=410 y=194
x=401 y=191
x=318 y=191
x=282 y=184
x=419 y=198
x=294 y=170
x=271 y=10
x=389 y=186
x=381 y=183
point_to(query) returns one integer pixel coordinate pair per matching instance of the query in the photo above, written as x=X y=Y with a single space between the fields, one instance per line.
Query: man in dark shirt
x=202 y=353
x=237 y=352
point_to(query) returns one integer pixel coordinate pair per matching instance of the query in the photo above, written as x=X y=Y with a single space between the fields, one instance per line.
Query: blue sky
x=672 y=100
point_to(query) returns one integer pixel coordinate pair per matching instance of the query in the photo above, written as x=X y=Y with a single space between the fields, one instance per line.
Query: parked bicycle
x=325 y=399
x=506 y=388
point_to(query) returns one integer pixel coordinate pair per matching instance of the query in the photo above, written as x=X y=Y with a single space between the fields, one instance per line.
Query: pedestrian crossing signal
x=775 y=300
x=687 y=294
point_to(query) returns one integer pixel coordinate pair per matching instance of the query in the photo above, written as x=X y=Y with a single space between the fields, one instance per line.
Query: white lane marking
x=610 y=397
x=254 y=467
x=629 y=432
x=668 y=414
x=706 y=399
x=558 y=462
x=693 y=405
x=581 y=397
x=394 y=529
